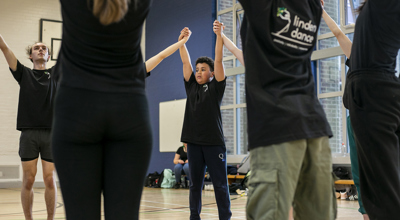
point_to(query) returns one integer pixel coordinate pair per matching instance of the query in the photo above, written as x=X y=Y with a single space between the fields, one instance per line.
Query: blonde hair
x=110 y=11
x=29 y=49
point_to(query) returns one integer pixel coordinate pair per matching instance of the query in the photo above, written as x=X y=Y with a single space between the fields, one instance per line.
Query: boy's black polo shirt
x=202 y=124
x=278 y=39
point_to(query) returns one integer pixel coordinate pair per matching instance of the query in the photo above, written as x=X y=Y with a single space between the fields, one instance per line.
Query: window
x=233 y=108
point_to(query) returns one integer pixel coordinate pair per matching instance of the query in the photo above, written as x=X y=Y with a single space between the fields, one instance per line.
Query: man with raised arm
x=34 y=120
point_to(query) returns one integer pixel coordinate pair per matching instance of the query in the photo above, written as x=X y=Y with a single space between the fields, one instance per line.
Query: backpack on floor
x=159 y=180
x=169 y=179
x=342 y=173
x=152 y=179
x=244 y=166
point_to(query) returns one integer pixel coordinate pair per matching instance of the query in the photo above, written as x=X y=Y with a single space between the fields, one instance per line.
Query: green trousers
x=354 y=164
x=296 y=173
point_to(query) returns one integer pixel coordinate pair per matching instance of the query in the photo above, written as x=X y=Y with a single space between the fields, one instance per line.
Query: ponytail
x=110 y=11
x=360 y=8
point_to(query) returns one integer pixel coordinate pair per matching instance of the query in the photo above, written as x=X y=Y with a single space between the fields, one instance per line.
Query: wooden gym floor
x=156 y=204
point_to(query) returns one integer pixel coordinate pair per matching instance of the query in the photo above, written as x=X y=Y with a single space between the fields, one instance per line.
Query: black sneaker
x=177 y=185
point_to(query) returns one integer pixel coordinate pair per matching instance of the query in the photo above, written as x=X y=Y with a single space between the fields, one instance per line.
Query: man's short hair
x=206 y=60
x=29 y=49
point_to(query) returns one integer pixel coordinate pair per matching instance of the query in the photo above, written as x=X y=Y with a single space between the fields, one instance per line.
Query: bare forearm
x=187 y=66
x=155 y=60
x=10 y=57
x=343 y=40
x=218 y=64
x=233 y=49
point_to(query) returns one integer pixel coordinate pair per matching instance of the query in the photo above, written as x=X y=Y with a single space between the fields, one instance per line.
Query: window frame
x=235 y=71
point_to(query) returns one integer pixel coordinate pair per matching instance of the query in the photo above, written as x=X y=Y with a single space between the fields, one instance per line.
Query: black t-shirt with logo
x=279 y=37
x=182 y=154
x=36 y=95
x=376 y=36
x=202 y=124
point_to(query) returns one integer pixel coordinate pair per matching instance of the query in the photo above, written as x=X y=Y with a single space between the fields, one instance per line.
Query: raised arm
x=343 y=40
x=219 y=71
x=8 y=54
x=229 y=44
x=187 y=65
x=155 y=60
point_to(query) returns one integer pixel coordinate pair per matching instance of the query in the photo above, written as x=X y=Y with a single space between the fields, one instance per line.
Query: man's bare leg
x=29 y=169
x=50 y=194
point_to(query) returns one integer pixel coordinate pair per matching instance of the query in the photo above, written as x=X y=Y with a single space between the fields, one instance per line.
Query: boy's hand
x=218 y=27
x=185 y=34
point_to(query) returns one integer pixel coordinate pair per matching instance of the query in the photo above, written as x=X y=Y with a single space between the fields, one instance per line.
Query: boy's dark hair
x=360 y=8
x=29 y=49
x=206 y=60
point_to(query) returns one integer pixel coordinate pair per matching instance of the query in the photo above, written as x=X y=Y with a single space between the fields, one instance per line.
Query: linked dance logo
x=296 y=33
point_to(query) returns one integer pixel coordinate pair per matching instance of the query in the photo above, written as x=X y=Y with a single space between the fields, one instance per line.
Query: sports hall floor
x=166 y=204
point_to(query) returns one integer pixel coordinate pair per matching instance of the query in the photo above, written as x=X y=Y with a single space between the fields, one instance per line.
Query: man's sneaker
x=177 y=185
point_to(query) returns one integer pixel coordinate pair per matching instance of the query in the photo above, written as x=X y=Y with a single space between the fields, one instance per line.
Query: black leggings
x=101 y=144
x=373 y=99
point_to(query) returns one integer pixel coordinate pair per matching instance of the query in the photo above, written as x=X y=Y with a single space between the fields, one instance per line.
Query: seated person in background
x=182 y=164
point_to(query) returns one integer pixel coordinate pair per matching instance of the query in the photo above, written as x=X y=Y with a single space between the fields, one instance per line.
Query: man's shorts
x=34 y=142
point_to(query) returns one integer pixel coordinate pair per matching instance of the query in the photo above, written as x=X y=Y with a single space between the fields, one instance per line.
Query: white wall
x=19 y=26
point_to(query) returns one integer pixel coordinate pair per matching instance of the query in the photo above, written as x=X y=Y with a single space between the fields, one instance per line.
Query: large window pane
x=227 y=19
x=330 y=75
x=241 y=95
x=332 y=8
x=227 y=124
x=327 y=43
x=228 y=64
x=228 y=95
x=351 y=7
x=333 y=111
x=239 y=19
x=242 y=140
x=224 y=4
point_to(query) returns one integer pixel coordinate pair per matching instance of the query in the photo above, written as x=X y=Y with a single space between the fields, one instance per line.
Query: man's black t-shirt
x=98 y=57
x=279 y=37
x=182 y=154
x=376 y=36
x=202 y=123
x=36 y=94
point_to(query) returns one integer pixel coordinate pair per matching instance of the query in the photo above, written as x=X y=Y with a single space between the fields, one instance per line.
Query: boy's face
x=203 y=73
x=39 y=52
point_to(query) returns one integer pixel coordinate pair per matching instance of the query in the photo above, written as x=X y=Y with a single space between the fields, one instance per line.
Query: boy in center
x=202 y=127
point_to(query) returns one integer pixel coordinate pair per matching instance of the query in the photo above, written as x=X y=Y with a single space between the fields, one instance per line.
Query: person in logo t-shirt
x=34 y=120
x=288 y=131
x=202 y=128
